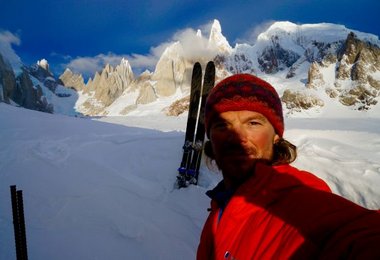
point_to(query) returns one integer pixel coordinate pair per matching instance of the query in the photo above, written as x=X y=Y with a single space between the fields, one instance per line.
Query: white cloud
x=141 y=62
x=206 y=28
x=7 y=39
x=87 y=66
x=196 y=43
x=84 y=65
x=250 y=36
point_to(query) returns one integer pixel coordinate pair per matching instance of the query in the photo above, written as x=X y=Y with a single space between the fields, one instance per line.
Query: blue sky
x=85 y=34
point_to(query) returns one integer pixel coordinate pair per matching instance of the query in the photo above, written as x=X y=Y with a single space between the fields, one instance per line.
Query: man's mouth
x=239 y=151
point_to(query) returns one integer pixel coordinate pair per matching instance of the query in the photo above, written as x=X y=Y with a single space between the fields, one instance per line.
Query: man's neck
x=234 y=183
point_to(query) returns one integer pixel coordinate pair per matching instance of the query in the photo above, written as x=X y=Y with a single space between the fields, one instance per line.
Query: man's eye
x=219 y=125
x=254 y=122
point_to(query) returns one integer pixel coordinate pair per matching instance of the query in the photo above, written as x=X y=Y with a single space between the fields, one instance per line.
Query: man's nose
x=237 y=133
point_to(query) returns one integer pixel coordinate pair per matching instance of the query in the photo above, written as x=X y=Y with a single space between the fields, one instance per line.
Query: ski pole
x=19 y=223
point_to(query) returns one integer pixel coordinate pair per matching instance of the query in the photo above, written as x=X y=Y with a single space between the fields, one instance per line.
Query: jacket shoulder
x=302 y=177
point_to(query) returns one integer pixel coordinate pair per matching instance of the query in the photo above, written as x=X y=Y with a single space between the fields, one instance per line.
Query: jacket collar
x=220 y=194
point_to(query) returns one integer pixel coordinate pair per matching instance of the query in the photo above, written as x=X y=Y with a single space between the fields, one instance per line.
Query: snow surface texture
x=96 y=190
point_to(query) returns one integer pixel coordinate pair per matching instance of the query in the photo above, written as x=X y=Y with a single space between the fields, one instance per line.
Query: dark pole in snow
x=19 y=223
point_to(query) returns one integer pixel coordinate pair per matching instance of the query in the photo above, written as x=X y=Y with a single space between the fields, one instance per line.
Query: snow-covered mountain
x=314 y=67
x=35 y=88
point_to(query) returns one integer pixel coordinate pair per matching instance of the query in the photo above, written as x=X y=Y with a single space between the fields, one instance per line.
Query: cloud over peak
x=7 y=39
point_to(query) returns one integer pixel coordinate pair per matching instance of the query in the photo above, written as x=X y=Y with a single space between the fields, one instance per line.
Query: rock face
x=338 y=63
x=315 y=77
x=7 y=80
x=72 y=80
x=21 y=89
x=40 y=70
x=358 y=62
x=111 y=83
x=274 y=58
x=34 y=87
x=217 y=40
x=298 y=101
x=170 y=71
x=29 y=95
x=147 y=94
x=106 y=87
x=178 y=107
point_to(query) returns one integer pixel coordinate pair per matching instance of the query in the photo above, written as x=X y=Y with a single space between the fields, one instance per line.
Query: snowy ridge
x=321 y=32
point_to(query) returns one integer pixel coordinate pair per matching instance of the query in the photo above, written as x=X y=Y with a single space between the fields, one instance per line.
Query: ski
x=195 y=94
x=195 y=129
x=208 y=84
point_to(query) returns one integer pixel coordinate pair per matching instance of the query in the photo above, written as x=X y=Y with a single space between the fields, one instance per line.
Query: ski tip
x=197 y=71
x=210 y=66
x=210 y=63
x=197 y=64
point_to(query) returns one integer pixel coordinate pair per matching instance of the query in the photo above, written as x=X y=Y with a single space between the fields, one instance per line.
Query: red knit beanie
x=245 y=92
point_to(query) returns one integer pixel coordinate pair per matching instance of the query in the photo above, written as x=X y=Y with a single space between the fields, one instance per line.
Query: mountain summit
x=217 y=39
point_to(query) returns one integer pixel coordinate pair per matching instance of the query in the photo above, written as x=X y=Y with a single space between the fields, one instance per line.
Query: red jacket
x=281 y=213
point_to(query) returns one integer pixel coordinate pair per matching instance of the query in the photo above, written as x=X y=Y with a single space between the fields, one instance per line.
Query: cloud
x=7 y=39
x=195 y=44
x=87 y=66
x=250 y=36
x=141 y=62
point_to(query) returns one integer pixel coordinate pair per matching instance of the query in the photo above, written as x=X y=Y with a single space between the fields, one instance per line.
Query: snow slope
x=104 y=189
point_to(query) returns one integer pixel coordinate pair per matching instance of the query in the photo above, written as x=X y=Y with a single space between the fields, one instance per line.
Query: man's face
x=239 y=139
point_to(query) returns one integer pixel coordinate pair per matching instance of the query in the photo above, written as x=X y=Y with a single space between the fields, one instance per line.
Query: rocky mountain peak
x=72 y=80
x=106 y=86
x=22 y=90
x=358 y=61
x=40 y=70
x=217 y=39
x=43 y=64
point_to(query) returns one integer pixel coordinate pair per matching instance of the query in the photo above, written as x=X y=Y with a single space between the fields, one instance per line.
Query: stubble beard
x=237 y=163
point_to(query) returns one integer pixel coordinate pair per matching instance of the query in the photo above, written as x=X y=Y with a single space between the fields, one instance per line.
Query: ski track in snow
x=52 y=151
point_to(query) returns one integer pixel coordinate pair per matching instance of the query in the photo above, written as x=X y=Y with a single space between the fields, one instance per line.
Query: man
x=264 y=208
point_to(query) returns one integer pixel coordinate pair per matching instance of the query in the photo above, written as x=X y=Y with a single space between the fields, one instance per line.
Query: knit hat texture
x=245 y=92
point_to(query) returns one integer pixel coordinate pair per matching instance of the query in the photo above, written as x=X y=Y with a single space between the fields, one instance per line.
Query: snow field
x=96 y=190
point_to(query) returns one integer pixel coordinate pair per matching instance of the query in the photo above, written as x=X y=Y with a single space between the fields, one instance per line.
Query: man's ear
x=276 y=138
x=208 y=150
